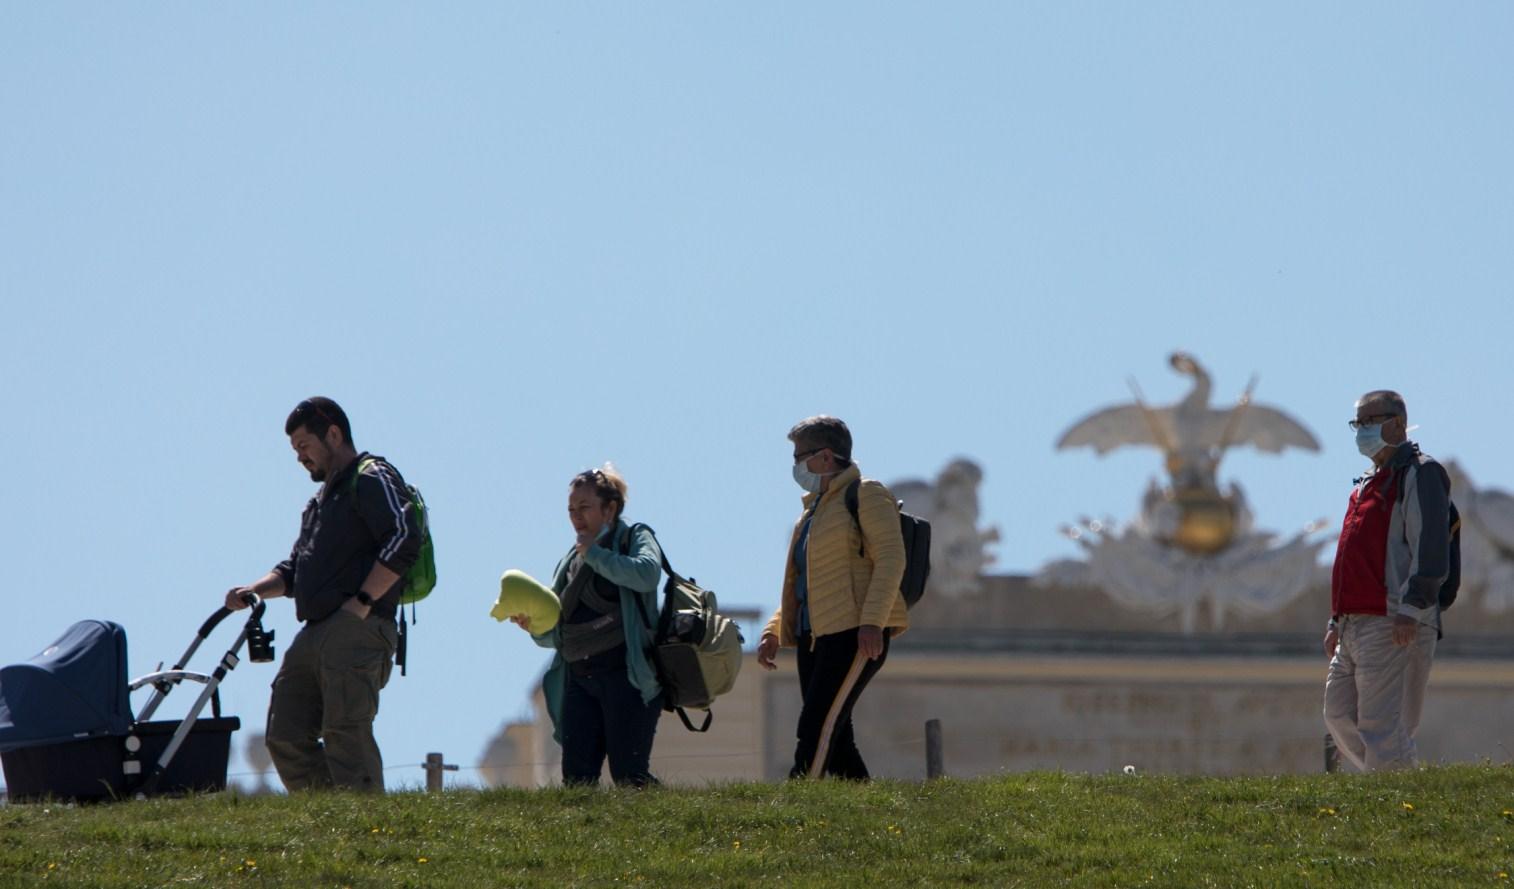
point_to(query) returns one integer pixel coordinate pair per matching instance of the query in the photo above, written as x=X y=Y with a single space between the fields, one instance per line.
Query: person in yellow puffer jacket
x=841 y=603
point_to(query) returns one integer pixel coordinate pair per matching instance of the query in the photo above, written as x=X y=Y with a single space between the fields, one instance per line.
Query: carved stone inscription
x=995 y=727
x=1259 y=724
x=1172 y=729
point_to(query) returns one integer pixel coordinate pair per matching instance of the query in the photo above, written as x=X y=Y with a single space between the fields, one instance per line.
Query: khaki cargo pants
x=325 y=697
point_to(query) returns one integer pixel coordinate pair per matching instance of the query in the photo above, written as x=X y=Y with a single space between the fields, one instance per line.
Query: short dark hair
x=317 y=414
x=1393 y=400
x=824 y=432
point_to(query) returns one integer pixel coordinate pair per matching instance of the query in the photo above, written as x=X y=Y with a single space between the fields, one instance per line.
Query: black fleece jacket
x=348 y=526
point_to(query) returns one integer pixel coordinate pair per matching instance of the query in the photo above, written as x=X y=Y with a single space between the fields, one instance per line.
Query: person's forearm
x=638 y=571
x=269 y=586
x=379 y=581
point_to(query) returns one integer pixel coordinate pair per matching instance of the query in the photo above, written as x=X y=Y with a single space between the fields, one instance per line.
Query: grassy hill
x=1450 y=826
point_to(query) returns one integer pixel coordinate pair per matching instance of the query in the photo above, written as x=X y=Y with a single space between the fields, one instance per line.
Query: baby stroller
x=66 y=729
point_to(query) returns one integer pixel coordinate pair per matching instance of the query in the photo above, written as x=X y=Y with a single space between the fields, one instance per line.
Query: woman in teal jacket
x=601 y=689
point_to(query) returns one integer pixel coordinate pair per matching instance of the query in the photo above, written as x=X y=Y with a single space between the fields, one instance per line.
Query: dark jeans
x=603 y=715
x=822 y=674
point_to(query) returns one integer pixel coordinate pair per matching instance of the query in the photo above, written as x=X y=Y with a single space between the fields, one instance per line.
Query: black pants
x=822 y=674
x=603 y=715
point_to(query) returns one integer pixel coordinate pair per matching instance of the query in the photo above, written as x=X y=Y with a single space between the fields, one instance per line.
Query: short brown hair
x=607 y=483
x=824 y=432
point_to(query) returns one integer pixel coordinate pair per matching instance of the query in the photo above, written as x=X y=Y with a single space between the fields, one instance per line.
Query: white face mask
x=810 y=481
x=1369 y=439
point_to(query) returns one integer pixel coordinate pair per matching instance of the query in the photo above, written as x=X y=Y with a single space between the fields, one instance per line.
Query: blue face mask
x=1369 y=439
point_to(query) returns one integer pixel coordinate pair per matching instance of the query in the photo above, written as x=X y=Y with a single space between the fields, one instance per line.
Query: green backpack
x=695 y=649
x=420 y=580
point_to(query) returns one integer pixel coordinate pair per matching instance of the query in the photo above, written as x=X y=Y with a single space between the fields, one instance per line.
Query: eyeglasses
x=807 y=454
x=1368 y=421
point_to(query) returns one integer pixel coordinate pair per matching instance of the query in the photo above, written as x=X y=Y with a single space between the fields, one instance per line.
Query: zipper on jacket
x=809 y=537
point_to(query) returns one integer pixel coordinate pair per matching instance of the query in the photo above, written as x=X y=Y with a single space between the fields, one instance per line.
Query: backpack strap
x=853 y=492
x=624 y=548
x=683 y=714
x=361 y=465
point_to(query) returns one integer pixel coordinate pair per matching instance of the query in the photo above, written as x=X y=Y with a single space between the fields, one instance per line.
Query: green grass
x=1438 y=827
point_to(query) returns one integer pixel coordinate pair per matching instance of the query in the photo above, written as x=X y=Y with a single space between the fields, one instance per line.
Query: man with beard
x=358 y=537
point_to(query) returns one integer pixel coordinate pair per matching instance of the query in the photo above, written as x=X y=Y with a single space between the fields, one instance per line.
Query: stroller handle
x=258 y=607
x=164 y=681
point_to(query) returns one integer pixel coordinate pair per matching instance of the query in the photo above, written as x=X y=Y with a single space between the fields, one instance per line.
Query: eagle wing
x=1266 y=429
x=1113 y=427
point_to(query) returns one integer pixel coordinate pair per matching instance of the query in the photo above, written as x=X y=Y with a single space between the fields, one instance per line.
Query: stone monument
x=1191 y=544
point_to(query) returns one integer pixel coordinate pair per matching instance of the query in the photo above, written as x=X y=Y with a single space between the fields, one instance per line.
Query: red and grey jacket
x=1394 y=549
x=347 y=527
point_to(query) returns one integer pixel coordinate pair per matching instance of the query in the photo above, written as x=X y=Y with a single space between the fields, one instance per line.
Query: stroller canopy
x=76 y=688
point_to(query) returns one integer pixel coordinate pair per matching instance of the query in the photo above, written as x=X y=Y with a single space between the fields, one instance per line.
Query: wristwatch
x=364 y=599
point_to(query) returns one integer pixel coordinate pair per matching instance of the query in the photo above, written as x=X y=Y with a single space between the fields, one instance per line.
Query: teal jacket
x=638 y=573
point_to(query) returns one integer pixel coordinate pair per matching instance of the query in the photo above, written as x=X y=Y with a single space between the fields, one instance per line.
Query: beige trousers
x=1375 y=692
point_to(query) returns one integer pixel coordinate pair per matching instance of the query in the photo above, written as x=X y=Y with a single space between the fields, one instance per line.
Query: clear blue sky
x=516 y=241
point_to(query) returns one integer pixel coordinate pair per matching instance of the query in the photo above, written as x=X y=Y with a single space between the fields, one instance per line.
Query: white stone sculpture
x=1487 y=542
x=1253 y=576
x=1191 y=512
x=1191 y=542
x=959 y=549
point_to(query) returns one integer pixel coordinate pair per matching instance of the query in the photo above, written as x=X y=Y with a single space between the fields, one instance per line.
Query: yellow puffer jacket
x=847 y=588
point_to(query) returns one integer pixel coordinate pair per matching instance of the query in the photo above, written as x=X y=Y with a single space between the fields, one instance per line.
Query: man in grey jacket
x=1391 y=561
x=358 y=537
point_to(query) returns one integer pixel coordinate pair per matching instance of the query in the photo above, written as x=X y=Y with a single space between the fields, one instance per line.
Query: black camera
x=259 y=642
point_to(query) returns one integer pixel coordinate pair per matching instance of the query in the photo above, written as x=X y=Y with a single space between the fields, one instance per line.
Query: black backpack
x=1452 y=584
x=916 y=532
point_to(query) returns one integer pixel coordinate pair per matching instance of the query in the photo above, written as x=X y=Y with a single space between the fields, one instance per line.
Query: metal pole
x=934 y=767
